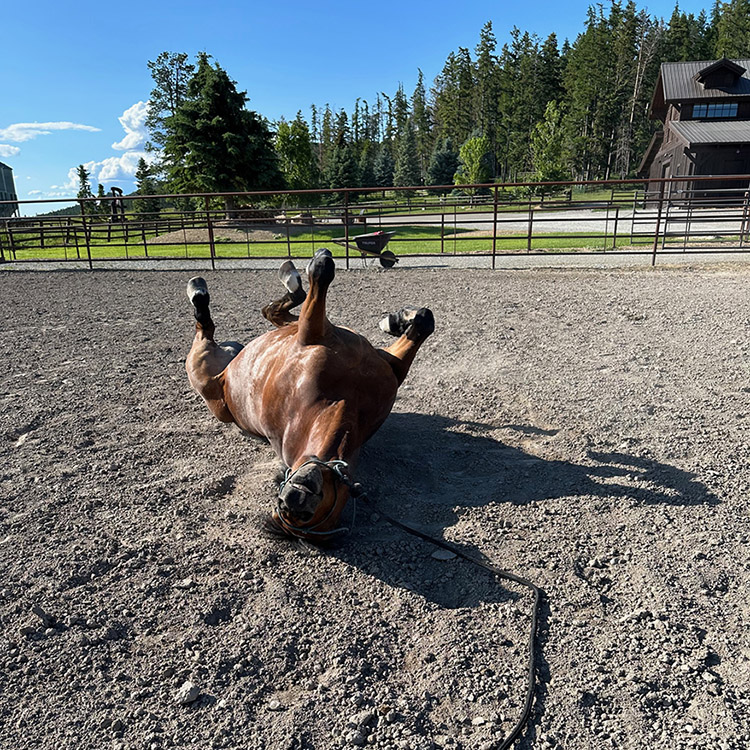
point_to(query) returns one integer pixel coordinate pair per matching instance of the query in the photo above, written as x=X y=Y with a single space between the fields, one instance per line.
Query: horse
x=314 y=390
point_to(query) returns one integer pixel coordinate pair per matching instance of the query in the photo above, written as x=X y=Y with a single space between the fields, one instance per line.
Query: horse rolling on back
x=314 y=390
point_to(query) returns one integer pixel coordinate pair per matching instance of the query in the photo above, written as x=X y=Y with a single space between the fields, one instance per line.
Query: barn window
x=725 y=109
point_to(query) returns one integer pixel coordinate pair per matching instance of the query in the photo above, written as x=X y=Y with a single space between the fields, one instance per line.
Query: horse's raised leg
x=412 y=326
x=278 y=312
x=207 y=359
x=313 y=323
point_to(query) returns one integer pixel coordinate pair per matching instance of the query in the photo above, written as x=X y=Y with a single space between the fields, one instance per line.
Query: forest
x=531 y=110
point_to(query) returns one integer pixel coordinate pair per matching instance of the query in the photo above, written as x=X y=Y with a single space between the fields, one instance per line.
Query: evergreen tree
x=367 y=166
x=171 y=72
x=422 y=120
x=146 y=184
x=384 y=167
x=406 y=171
x=102 y=207
x=443 y=164
x=84 y=190
x=400 y=111
x=487 y=89
x=215 y=144
x=733 y=30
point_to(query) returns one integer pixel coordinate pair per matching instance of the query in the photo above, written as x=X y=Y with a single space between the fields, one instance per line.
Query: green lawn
x=408 y=240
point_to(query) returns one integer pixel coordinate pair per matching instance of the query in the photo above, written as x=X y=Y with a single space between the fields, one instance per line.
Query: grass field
x=408 y=240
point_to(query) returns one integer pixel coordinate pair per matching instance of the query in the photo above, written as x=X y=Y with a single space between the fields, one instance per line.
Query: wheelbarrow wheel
x=388 y=259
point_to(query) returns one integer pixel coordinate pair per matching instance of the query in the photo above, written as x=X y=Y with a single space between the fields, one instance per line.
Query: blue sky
x=77 y=88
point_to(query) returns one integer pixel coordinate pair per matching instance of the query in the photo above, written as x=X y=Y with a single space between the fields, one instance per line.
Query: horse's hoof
x=197 y=292
x=321 y=267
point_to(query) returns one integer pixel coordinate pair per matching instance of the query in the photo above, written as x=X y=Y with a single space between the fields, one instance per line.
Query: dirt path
x=588 y=429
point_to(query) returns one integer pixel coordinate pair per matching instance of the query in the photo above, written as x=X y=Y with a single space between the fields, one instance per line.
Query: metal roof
x=680 y=84
x=696 y=132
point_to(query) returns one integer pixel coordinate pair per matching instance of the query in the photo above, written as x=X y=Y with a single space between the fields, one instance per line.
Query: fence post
x=614 y=235
x=442 y=229
x=744 y=224
x=346 y=226
x=82 y=204
x=658 y=223
x=288 y=239
x=2 y=243
x=494 y=229
x=531 y=228
x=211 y=245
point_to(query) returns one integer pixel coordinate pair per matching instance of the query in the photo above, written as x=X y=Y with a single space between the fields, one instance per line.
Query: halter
x=338 y=467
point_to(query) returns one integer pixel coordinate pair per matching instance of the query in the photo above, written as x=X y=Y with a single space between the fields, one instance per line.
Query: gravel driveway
x=585 y=428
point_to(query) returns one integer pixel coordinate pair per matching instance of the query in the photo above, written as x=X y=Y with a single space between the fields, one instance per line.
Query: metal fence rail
x=673 y=215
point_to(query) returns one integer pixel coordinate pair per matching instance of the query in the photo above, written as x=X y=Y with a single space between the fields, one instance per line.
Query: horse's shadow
x=423 y=469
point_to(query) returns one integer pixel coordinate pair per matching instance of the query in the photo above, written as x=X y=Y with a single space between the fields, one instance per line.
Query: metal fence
x=658 y=217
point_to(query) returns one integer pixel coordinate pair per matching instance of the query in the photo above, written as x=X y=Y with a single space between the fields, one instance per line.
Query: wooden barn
x=7 y=191
x=705 y=108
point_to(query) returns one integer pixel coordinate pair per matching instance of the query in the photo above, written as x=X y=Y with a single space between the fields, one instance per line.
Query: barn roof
x=683 y=81
x=696 y=132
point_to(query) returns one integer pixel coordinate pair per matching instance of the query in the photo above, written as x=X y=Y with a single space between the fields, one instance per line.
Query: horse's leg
x=412 y=326
x=207 y=359
x=278 y=312
x=313 y=323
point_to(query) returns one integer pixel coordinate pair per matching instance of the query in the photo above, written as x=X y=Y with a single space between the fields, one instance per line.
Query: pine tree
x=443 y=164
x=146 y=184
x=215 y=144
x=171 y=72
x=406 y=171
x=384 y=167
x=84 y=190
x=367 y=166
x=733 y=30
x=487 y=89
x=422 y=120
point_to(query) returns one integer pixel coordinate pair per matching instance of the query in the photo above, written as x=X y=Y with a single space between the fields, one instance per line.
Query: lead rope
x=357 y=492
x=533 y=631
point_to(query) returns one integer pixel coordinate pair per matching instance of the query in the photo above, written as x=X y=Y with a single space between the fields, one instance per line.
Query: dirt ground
x=586 y=429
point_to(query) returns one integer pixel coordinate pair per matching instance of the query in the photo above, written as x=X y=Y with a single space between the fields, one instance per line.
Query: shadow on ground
x=423 y=469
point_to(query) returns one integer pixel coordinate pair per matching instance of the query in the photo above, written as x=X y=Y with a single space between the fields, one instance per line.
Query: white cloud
x=133 y=120
x=26 y=131
x=35 y=192
x=109 y=170
x=6 y=150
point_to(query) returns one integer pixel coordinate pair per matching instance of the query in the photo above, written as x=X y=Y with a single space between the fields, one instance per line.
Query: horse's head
x=311 y=499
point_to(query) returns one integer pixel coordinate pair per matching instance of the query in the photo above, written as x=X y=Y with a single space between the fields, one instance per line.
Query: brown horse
x=314 y=390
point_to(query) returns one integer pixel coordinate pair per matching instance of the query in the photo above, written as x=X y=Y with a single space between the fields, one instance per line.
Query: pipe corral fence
x=656 y=217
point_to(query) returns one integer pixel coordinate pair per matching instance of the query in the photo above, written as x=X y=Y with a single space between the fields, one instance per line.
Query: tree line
x=531 y=110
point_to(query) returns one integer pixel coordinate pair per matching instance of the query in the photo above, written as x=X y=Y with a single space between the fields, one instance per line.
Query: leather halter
x=338 y=467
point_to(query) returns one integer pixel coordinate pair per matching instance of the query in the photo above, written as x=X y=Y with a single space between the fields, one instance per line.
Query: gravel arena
x=586 y=429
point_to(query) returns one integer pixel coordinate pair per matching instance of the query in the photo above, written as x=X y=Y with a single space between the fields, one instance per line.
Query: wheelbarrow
x=372 y=244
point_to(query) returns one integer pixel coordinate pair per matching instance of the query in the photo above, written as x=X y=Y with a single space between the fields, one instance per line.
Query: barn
x=7 y=191
x=705 y=111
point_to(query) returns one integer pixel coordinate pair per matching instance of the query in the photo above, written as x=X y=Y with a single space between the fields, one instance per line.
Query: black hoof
x=321 y=267
x=424 y=322
x=197 y=292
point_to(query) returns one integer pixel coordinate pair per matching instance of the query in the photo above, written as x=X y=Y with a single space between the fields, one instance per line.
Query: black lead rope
x=532 y=647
